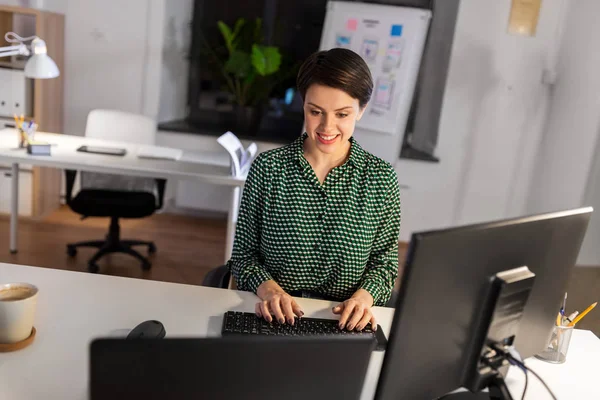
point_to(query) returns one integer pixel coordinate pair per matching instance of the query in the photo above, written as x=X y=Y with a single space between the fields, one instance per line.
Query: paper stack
x=241 y=158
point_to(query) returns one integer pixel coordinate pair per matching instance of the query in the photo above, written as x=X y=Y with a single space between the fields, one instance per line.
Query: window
x=294 y=27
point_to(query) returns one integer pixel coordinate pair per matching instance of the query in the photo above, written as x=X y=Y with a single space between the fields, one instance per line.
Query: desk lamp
x=39 y=65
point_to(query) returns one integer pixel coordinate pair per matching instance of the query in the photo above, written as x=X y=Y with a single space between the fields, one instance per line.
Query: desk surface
x=206 y=167
x=74 y=307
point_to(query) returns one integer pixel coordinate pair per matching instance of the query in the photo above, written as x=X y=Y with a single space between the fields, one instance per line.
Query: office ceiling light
x=39 y=65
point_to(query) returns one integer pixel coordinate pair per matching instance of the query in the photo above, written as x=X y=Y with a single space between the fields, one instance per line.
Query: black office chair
x=114 y=204
x=217 y=277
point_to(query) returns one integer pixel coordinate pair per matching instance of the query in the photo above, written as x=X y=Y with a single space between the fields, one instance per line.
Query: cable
x=520 y=364
x=514 y=358
x=526 y=383
x=12 y=37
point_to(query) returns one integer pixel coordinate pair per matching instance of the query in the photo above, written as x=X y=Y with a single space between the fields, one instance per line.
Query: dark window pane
x=294 y=27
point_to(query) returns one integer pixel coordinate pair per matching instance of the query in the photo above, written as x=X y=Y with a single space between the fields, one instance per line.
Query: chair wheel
x=151 y=248
x=71 y=251
x=146 y=265
x=93 y=267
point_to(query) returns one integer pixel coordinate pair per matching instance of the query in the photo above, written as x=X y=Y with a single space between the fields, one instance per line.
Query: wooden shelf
x=47 y=94
x=22 y=10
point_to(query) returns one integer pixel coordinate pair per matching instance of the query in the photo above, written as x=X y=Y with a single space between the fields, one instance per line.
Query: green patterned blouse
x=329 y=239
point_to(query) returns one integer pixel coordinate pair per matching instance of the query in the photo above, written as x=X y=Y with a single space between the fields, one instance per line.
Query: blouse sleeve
x=246 y=262
x=382 y=267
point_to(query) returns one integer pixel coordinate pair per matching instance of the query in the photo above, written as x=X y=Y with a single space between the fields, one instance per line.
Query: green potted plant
x=250 y=70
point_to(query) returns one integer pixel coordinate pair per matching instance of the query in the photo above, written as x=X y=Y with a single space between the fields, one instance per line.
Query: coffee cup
x=17 y=310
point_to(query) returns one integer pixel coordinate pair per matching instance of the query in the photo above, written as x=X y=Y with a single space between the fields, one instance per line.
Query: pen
x=563 y=309
x=31 y=130
x=583 y=314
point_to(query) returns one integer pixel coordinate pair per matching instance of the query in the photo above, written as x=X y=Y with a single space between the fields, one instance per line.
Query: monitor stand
x=496 y=326
x=497 y=391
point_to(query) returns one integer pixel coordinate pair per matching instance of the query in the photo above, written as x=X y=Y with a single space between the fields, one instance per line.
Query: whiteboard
x=391 y=40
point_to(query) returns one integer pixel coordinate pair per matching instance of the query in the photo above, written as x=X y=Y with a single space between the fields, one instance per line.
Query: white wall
x=129 y=56
x=103 y=58
x=567 y=168
x=57 y=6
x=175 y=66
x=22 y=3
x=113 y=56
x=153 y=61
x=493 y=115
x=565 y=154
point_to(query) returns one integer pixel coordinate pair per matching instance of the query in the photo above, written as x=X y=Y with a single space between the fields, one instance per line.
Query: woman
x=320 y=217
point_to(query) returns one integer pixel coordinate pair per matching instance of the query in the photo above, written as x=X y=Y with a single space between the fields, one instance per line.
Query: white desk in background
x=75 y=307
x=201 y=167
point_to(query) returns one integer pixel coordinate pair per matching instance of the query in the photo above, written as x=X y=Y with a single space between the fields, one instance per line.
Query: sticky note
x=396 y=30
x=343 y=41
x=352 y=24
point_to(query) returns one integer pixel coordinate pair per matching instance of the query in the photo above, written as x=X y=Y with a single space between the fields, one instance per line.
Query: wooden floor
x=188 y=247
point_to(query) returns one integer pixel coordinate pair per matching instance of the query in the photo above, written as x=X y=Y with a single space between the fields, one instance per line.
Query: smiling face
x=330 y=116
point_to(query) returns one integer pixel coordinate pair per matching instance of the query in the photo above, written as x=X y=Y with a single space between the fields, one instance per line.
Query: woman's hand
x=276 y=303
x=356 y=311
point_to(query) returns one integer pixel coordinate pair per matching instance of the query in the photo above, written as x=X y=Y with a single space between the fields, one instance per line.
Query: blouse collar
x=356 y=157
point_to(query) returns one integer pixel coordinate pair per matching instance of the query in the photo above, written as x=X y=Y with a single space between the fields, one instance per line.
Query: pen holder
x=23 y=140
x=558 y=346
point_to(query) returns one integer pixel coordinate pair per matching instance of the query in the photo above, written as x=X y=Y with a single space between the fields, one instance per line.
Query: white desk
x=74 y=307
x=206 y=167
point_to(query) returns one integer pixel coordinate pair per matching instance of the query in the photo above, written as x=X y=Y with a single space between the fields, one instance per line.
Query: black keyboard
x=241 y=323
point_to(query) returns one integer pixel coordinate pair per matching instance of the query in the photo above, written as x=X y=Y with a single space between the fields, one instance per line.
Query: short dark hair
x=338 y=68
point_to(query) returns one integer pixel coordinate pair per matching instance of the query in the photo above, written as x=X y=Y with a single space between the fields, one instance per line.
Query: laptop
x=229 y=368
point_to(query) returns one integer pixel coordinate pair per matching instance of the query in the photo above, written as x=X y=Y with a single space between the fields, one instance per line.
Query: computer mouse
x=148 y=330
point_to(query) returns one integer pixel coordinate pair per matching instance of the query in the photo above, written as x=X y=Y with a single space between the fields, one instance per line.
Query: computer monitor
x=444 y=297
x=255 y=367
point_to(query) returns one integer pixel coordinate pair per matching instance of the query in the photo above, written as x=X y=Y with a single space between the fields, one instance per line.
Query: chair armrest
x=161 y=185
x=70 y=175
x=217 y=277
